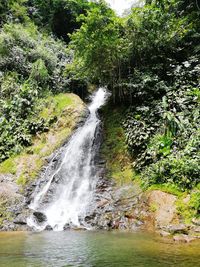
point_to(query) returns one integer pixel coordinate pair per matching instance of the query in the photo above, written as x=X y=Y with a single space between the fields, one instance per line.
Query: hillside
x=148 y=60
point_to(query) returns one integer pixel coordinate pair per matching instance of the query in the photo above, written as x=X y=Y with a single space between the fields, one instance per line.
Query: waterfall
x=74 y=180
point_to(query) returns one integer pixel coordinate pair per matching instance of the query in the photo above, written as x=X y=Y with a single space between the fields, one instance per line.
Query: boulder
x=164 y=233
x=20 y=219
x=196 y=229
x=48 y=228
x=183 y=238
x=40 y=217
x=162 y=207
x=196 y=221
x=178 y=229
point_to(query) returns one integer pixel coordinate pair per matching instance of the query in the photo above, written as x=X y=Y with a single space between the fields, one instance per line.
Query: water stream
x=73 y=182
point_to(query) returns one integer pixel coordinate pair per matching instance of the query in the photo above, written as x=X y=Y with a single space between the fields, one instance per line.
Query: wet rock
x=183 y=238
x=8 y=226
x=40 y=217
x=196 y=229
x=138 y=223
x=101 y=162
x=28 y=201
x=102 y=203
x=164 y=233
x=66 y=227
x=48 y=228
x=178 y=229
x=90 y=217
x=21 y=220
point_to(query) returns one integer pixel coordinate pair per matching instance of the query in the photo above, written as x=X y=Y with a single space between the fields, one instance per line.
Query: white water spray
x=76 y=177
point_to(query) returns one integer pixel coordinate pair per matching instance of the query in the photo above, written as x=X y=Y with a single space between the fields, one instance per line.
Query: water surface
x=94 y=249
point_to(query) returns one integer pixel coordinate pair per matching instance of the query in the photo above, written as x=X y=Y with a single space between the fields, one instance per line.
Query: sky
x=121 y=5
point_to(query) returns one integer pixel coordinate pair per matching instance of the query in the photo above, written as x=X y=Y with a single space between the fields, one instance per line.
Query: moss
x=114 y=149
x=8 y=166
x=21 y=180
x=122 y=176
x=55 y=105
x=188 y=205
x=153 y=207
x=62 y=101
x=167 y=188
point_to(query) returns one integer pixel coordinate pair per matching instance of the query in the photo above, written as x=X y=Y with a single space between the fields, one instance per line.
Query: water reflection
x=94 y=249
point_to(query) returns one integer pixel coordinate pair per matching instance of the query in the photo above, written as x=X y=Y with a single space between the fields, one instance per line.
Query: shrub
x=39 y=72
x=181 y=168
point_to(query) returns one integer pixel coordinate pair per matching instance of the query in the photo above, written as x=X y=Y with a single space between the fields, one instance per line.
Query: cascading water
x=75 y=177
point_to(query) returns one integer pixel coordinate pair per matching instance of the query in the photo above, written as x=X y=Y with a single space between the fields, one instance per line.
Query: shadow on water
x=94 y=249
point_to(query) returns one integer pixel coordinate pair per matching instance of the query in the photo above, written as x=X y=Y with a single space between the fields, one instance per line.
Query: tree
x=58 y=16
x=98 y=45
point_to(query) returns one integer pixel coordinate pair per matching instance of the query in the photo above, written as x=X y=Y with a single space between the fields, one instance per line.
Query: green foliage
x=189 y=206
x=39 y=72
x=13 y=10
x=180 y=167
x=58 y=16
x=114 y=149
x=98 y=45
x=5 y=214
x=163 y=135
x=8 y=166
x=31 y=64
x=194 y=203
x=33 y=56
x=17 y=121
x=141 y=85
x=181 y=170
x=168 y=188
x=140 y=123
x=138 y=51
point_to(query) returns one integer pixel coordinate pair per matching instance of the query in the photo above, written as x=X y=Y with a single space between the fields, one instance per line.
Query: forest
x=149 y=59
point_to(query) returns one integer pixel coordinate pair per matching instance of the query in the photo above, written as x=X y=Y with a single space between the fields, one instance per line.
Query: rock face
x=183 y=238
x=128 y=208
x=11 y=204
x=178 y=229
x=162 y=207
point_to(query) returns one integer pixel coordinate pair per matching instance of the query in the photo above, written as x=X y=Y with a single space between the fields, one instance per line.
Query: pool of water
x=94 y=249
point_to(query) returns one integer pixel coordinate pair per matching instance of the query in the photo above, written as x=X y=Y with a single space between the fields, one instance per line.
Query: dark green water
x=94 y=249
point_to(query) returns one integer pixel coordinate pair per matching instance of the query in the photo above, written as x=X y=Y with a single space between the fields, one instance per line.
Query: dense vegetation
x=149 y=59
x=151 y=62
x=32 y=66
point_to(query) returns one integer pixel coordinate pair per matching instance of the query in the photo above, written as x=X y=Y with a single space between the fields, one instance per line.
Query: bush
x=31 y=63
x=39 y=72
x=181 y=168
x=163 y=135
x=33 y=56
